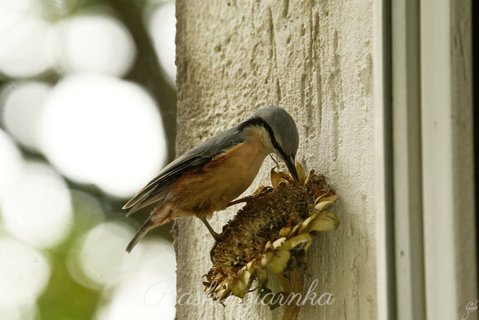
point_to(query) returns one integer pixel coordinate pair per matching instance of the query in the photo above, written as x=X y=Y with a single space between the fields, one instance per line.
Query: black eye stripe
x=260 y=122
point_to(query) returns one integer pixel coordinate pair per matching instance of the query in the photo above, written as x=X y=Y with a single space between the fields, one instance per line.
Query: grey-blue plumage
x=237 y=152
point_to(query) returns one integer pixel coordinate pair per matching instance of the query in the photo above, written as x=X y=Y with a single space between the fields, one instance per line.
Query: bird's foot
x=214 y=234
x=244 y=199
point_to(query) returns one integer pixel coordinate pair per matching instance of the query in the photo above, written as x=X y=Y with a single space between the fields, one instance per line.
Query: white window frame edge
x=385 y=290
x=407 y=171
x=448 y=156
x=434 y=205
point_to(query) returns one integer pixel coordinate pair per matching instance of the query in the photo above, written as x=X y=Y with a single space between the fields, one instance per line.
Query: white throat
x=265 y=138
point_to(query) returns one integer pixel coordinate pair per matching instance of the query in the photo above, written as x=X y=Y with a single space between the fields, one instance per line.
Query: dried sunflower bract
x=270 y=234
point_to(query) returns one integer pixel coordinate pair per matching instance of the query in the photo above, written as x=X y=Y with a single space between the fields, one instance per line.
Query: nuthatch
x=208 y=177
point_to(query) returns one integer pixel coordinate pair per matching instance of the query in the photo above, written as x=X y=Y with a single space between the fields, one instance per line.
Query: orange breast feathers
x=210 y=188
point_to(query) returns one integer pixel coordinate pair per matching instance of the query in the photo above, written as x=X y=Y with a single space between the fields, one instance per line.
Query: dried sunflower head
x=270 y=234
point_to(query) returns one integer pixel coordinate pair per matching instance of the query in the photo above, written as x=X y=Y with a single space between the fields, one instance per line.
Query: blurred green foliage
x=64 y=298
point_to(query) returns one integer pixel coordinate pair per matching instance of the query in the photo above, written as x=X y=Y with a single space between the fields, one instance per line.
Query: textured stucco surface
x=314 y=58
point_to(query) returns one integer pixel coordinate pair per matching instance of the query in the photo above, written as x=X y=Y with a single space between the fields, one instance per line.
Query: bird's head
x=281 y=134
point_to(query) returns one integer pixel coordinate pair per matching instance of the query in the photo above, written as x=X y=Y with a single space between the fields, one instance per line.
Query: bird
x=210 y=176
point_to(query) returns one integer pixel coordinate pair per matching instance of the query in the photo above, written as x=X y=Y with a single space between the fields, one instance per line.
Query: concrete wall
x=316 y=59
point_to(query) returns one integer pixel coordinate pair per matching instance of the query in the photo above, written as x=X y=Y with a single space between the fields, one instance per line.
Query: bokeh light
x=11 y=164
x=94 y=43
x=104 y=131
x=22 y=105
x=100 y=259
x=37 y=207
x=66 y=115
x=26 y=39
x=24 y=274
x=162 y=29
x=149 y=293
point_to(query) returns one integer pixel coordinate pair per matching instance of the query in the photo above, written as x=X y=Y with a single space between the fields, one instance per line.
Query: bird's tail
x=147 y=226
x=159 y=216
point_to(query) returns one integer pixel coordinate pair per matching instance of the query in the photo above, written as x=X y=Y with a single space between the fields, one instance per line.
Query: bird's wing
x=157 y=188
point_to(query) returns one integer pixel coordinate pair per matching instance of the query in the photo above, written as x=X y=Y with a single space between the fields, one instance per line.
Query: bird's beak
x=290 y=163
